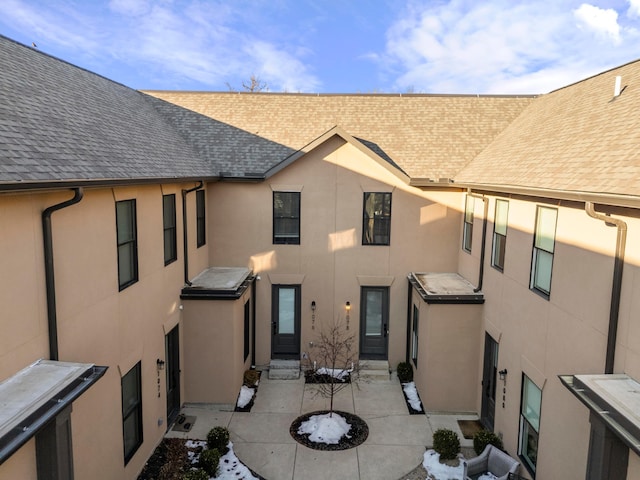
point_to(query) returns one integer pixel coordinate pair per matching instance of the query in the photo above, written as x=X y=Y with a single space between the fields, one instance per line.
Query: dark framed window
x=201 y=232
x=169 y=226
x=132 y=411
x=467 y=226
x=247 y=328
x=414 y=337
x=376 y=219
x=126 y=231
x=286 y=218
x=500 y=234
x=543 y=249
x=529 y=423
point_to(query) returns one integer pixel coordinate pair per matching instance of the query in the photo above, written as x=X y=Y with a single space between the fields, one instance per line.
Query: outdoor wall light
x=160 y=364
x=503 y=374
x=313 y=306
x=348 y=308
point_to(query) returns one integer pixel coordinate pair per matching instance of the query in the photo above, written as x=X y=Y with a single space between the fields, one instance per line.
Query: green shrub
x=405 y=372
x=250 y=378
x=446 y=443
x=209 y=461
x=483 y=438
x=218 y=438
x=199 y=474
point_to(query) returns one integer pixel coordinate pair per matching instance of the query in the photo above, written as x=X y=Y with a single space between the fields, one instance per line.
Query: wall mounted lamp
x=160 y=364
x=347 y=307
x=313 y=306
x=503 y=374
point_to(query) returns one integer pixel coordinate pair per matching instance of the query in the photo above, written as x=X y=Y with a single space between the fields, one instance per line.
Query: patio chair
x=492 y=460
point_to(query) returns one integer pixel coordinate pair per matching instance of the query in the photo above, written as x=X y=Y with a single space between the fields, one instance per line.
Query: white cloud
x=130 y=7
x=502 y=47
x=602 y=22
x=634 y=8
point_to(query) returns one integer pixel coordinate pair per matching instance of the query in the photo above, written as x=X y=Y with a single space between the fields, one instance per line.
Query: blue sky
x=329 y=46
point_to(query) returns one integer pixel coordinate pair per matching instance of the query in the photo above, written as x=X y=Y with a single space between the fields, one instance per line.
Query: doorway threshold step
x=284 y=369
x=375 y=370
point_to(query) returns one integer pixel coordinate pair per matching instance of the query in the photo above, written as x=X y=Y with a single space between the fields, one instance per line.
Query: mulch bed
x=314 y=378
x=251 y=380
x=358 y=433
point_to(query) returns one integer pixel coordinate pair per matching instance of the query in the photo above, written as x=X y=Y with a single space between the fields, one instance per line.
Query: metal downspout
x=184 y=230
x=485 y=201
x=616 y=289
x=49 y=274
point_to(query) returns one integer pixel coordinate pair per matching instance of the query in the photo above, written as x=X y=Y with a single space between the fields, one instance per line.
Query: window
x=543 y=247
x=132 y=412
x=286 y=218
x=201 y=232
x=414 y=337
x=529 y=423
x=376 y=223
x=169 y=226
x=247 y=336
x=127 y=243
x=499 y=234
x=467 y=226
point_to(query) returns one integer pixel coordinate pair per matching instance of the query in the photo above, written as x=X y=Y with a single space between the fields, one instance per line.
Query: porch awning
x=219 y=283
x=614 y=399
x=445 y=288
x=35 y=395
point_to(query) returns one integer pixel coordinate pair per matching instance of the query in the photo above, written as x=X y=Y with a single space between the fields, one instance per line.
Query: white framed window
x=543 y=249
x=500 y=234
x=529 y=423
x=467 y=226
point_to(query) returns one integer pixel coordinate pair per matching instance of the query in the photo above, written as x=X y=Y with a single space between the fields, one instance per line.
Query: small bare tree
x=254 y=84
x=335 y=361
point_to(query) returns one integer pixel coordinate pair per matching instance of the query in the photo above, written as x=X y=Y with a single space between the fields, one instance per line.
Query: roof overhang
x=31 y=398
x=604 y=198
x=219 y=283
x=614 y=399
x=445 y=288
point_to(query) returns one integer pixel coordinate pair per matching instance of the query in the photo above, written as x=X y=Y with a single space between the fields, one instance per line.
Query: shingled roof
x=428 y=136
x=579 y=138
x=60 y=123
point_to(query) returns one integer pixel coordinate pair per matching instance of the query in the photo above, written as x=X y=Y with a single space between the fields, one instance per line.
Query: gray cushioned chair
x=492 y=460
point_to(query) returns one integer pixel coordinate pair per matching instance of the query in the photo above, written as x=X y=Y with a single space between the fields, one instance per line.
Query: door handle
x=385 y=330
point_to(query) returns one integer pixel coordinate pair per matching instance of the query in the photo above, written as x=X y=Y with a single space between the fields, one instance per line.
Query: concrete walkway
x=261 y=438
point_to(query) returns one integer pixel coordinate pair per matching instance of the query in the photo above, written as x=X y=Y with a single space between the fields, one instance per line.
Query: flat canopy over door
x=285 y=324
x=374 y=322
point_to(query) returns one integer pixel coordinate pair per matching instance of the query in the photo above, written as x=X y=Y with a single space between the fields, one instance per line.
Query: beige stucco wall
x=96 y=323
x=331 y=263
x=566 y=334
x=214 y=361
x=448 y=350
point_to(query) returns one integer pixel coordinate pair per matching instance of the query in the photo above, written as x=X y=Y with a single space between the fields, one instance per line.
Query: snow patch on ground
x=338 y=373
x=439 y=470
x=230 y=467
x=412 y=396
x=246 y=394
x=325 y=428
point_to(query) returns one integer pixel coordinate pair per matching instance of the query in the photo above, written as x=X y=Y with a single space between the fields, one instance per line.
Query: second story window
x=499 y=234
x=376 y=222
x=467 y=226
x=169 y=227
x=127 y=243
x=286 y=218
x=543 y=248
x=201 y=232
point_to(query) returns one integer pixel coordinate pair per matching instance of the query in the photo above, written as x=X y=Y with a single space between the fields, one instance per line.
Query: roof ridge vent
x=616 y=88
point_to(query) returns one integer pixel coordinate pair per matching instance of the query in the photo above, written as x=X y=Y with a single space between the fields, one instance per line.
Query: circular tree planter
x=358 y=432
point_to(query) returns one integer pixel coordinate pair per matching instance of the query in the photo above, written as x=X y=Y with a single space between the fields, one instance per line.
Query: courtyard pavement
x=261 y=438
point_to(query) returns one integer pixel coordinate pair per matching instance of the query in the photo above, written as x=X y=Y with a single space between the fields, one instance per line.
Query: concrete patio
x=261 y=438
